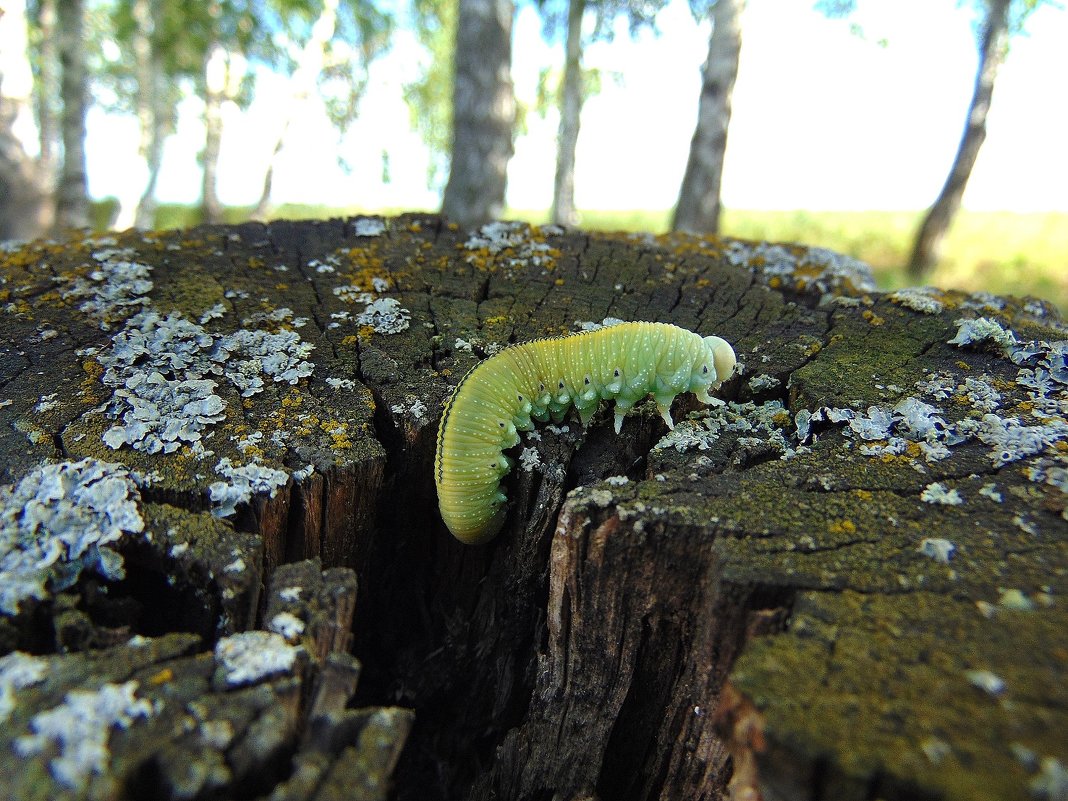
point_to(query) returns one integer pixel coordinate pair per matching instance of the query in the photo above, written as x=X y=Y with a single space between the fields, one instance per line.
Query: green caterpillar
x=542 y=379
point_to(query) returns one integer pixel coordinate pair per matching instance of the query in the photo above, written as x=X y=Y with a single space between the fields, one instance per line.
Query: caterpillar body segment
x=542 y=380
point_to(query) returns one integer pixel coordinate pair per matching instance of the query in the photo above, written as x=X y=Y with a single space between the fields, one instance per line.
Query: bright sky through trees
x=823 y=119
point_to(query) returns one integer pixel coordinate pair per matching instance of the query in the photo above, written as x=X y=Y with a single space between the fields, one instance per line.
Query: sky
x=823 y=118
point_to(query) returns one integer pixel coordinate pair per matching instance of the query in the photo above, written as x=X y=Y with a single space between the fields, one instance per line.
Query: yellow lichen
x=842 y=527
x=161 y=677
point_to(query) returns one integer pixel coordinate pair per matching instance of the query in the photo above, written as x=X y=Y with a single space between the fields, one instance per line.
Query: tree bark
x=698 y=208
x=571 y=99
x=927 y=248
x=24 y=207
x=152 y=116
x=483 y=113
x=46 y=94
x=216 y=80
x=151 y=113
x=72 y=192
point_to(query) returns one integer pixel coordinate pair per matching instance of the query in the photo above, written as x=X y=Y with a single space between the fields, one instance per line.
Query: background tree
x=698 y=209
x=145 y=75
x=574 y=88
x=484 y=112
x=571 y=97
x=281 y=35
x=993 y=45
x=328 y=59
x=72 y=191
x=44 y=54
x=997 y=22
x=24 y=210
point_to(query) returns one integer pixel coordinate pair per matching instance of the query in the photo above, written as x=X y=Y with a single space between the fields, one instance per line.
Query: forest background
x=845 y=120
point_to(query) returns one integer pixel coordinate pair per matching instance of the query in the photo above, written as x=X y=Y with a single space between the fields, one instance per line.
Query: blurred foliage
x=637 y=13
x=429 y=98
x=1019 y=12
x=262 y=33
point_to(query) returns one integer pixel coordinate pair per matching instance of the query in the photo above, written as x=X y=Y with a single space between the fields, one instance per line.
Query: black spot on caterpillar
x=542 y=379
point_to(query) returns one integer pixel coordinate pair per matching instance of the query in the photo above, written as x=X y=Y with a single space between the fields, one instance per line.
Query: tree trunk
x=698 y=208
x=483 y=103
x=571 y=98
x=46 y=94
x=301 y=86
x=24 y=207
x=782 y=596
x=140 y=211
x=145 y=214
x=928 y=246
x=72 y=192
x=216 y=79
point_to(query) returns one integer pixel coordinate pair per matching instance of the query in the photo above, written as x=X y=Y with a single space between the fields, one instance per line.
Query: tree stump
x=223 y=574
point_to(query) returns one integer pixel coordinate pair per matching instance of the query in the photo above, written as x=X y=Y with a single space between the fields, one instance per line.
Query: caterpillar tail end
x=480 y=534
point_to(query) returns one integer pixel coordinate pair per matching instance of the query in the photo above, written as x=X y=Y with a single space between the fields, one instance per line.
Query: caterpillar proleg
x=543 y=379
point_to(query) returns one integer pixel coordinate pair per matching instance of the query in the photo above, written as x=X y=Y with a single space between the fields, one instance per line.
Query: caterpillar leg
x=665 y=412
x=621 y=409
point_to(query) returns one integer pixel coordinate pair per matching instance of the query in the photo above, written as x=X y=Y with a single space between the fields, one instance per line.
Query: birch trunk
x=483 y=113
x=45 y=94
x=139 y=210
x=698 y=208
x=930 y=239
x=215 y=74
x=301 y=86
x=570 y=119
x=152 y=147
x=72 y=193
x=24 y=211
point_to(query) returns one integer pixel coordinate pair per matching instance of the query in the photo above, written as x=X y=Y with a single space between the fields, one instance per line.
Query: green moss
x=885 y=677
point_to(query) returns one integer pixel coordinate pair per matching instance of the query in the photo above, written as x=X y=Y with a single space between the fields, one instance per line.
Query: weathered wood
x=781 y=597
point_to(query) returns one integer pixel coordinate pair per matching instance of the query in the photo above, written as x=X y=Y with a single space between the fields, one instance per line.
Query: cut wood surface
x=223 y=573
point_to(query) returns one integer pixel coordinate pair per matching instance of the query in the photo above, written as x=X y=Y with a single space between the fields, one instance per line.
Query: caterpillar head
x=722 y=356
x=715 y=367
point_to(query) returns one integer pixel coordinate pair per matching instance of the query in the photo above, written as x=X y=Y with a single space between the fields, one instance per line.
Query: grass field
x=1000 y=252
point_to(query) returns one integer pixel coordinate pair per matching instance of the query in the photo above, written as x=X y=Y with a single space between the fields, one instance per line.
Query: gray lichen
x=114 y=289
x=762 y=426
x=59 y=520
x=981 y=330
x=514 y=239
x=368 y=226
x=18 y=671
x=79 y=730
x=823 y=269
x=243 y=481
x=920 y=299
x=251 y=656
x=163 y=373
x=385 y=316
